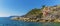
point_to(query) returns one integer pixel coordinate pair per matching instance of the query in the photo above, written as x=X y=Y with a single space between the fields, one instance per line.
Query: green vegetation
x=34 y=12
x=44 y=14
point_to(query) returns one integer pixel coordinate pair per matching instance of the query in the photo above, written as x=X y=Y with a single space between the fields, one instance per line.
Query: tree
x=43 y=7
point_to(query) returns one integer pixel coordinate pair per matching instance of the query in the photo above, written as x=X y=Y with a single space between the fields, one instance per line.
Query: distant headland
x=44 y=14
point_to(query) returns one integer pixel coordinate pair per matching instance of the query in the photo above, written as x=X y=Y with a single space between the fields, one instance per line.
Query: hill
x=44 y=14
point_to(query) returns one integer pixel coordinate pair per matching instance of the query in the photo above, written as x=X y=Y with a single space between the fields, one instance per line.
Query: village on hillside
x=44 y=14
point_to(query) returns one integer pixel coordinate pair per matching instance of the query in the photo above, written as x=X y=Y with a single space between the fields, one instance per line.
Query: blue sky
x=21 y=7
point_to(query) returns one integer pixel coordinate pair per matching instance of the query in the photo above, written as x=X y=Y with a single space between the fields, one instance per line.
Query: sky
x=21 y=7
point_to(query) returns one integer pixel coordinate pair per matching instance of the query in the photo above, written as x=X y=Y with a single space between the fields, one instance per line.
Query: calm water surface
x=6 y=21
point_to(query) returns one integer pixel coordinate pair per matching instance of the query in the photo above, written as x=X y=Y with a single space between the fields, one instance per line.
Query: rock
x=46 y=14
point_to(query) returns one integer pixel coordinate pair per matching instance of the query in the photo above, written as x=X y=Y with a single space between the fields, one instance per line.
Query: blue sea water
x=6 y=21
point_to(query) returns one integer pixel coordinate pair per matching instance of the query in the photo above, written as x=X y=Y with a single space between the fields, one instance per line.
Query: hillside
x=44 y=14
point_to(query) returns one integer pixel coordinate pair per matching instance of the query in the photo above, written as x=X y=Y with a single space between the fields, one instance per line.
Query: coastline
x=35 y=20
x=44 y=14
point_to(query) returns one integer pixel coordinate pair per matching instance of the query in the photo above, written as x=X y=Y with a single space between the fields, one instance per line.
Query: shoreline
x=35 y=20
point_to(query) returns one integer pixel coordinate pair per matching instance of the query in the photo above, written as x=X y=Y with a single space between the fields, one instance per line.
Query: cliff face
x=48 y=13
x=51 y=13
x=45 y=14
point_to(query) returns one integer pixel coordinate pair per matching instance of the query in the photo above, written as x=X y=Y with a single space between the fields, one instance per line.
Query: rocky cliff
x=44 y=14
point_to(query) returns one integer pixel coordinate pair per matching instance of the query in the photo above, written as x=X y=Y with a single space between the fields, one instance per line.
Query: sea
x=6 y=21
